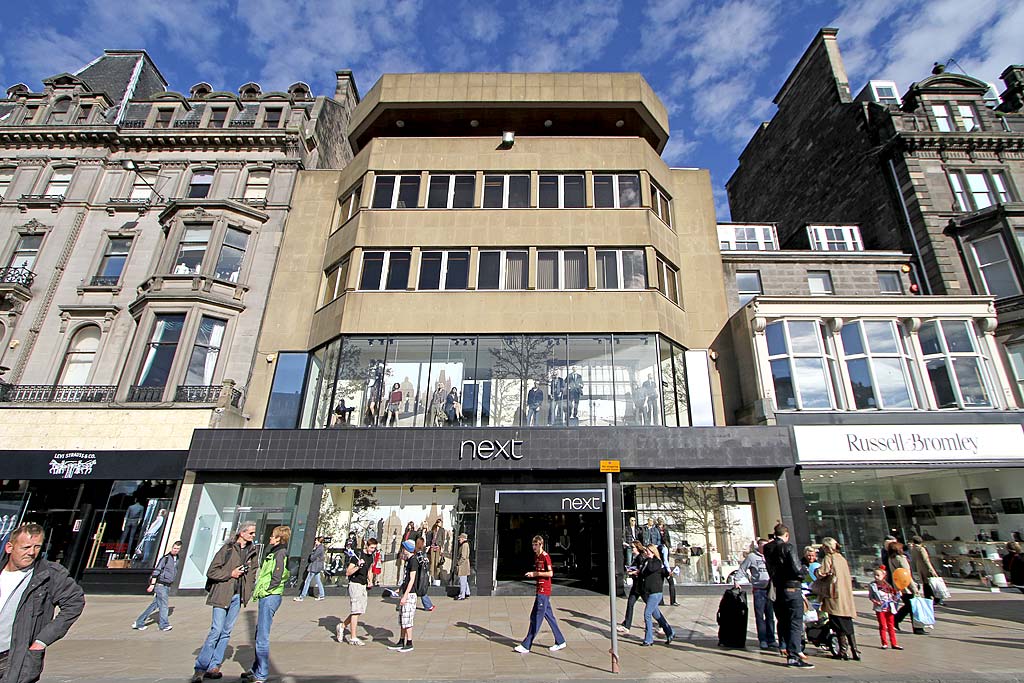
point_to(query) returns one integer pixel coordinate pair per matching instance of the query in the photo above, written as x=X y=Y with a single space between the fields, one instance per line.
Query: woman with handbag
x=924 y=567
x=898 y=560
x=462 y=567
x=834 y=586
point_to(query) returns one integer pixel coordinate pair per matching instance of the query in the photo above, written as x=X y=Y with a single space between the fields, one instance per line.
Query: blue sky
x=716 y=65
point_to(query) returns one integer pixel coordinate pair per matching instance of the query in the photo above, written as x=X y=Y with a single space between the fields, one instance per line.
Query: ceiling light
x=474 y=123
x=400 y=123
x=508 y=138
x=548 y=123
x=620 y=123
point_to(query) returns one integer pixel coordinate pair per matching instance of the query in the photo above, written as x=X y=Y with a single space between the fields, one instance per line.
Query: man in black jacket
x=785 y=571
x=30 y=589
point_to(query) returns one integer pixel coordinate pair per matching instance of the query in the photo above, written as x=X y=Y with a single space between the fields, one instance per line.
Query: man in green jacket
x=229 y=582
x=31 y=589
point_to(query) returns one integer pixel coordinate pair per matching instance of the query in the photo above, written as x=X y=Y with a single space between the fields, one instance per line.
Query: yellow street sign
x=610 y=466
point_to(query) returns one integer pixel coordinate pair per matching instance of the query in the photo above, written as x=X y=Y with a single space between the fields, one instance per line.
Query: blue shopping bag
x=922 y=611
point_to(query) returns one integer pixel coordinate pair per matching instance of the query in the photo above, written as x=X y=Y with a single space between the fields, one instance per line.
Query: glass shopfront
x=352 y=514
x=965 y=516
x=484 y=381
x=224 y=507
x=710 y=525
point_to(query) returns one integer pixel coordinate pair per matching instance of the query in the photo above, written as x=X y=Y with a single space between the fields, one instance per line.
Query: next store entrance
x=572 y=523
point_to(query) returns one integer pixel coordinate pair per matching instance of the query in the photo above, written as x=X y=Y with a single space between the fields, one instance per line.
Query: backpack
x=422 y=575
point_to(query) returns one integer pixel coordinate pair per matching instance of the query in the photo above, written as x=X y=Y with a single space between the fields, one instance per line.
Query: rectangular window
x=25 y=252
x=506 y=191
x=396 y=192
x=350 y=204
x=748 y=285
x=163 y=118
x=218 y=117
x=968 y=117
x=1015 y=352
x=443 y=270
x=977 y=186
x=747 y=237
x=942 y=118
x=232 y=253
x=800 y=363
x=143 y=183
x=6 y=175
x=451 y=191
x=954 y=365
x=660 y=204
x=877 y=364
x=617 y=191
x=256 y=185
x=835 y=238
x=668 y=280
x=84 y=110
x=160 y=350
x=199 y=186
x=192 y=250
x=983 y=189
x=820 y=282
x=507 y=270
x=562 y=191
x=562 y=269
x=621 y=269
x=59 y=182
x=385 y=270
x=889 y=282
x=995 y=267
x=203 y=363
x=337 y=277
x=272 y=117
x=114 y=258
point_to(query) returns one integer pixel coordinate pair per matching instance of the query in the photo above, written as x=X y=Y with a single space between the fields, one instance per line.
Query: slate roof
x=112 y=74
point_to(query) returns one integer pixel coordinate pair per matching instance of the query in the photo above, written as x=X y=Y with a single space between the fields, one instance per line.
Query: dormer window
x=59 y=112
x=163 y=118
x=886 y=94
x=272 y=117
x=84 y=111
x=968 y=117
x=218 y=117
x=835 y=238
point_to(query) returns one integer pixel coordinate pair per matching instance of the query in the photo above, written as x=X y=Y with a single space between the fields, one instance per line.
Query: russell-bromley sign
x=908 y=443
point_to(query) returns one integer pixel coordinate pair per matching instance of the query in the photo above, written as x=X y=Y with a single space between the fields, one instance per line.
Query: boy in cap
x=407 y=595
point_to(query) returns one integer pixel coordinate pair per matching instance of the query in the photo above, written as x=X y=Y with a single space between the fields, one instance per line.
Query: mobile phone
x=243 y=568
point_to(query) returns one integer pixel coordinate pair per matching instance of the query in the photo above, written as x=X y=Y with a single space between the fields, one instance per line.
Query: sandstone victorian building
x=138 y=229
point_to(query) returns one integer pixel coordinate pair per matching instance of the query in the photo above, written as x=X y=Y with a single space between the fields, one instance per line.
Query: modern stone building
x=139 y=228
x=504 y=287
x=935 y=173
x=878 y=317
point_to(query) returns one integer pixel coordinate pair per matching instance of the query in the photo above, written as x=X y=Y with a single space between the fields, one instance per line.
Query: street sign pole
x=609 y=467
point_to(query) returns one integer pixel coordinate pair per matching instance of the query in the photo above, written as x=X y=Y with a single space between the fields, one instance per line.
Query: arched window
x=59 y=112
x=79 y=357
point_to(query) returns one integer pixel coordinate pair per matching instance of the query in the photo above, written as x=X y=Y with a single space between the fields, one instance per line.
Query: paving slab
x=979 y=637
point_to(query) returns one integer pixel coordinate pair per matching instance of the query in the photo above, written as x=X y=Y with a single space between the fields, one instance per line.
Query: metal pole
x=610 y=523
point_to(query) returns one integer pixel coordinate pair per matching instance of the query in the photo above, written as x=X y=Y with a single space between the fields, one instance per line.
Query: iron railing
x=187 y=123
x=137 y=394
x=134 y=123
x=104 y=280
x=242 y=123
x=17 y=275
x=50 y=393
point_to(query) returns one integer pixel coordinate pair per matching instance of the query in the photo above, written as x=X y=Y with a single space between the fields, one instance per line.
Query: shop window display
x=710 y=524
x=965 y=516
x=131 y=529
x=352 y=514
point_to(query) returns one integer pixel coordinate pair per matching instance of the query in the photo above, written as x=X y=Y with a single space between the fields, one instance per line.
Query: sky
x=716 y=64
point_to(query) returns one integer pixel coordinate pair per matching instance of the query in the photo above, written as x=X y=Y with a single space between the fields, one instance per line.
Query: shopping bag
x=810 y=616
x=938 y=587
x=922 y=612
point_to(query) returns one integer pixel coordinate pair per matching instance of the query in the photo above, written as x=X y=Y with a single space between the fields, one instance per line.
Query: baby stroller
x=819 y=632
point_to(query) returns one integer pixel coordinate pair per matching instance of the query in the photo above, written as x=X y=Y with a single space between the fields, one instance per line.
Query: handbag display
x=938 y=586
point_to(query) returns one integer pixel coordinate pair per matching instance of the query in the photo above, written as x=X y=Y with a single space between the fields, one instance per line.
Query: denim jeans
x=425 y=599
x=159 y=603
x=267 y=608
x=789 y=607
x=541 y=612
x=764 y=615
x=651 y=612
x=319 y=585
x=631 y=599
x=463 y=586
x=216 y=643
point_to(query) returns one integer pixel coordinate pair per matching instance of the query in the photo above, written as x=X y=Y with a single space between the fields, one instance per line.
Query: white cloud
x=482 y=24
x=562 y=36
x=678 y=150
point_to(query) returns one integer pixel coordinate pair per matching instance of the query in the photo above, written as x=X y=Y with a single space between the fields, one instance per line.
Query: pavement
x=979 y=637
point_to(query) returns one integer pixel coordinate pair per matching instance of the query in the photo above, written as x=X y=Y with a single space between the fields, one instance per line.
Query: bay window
x=954 y=364
x=621 y=269
x=205 y=352
x=444 y=270
x=801 y=365
x=396 y=192
x=385 y=270
x=877 y=364
x=232 y=253
x=618 y=191
x=192 y=249
x=997 y=272
x=160 y=350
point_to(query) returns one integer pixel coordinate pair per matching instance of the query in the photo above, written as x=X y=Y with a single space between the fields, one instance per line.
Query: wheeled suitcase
x=732 y=618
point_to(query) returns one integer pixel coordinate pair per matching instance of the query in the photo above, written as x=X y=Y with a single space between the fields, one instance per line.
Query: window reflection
x=131 y=532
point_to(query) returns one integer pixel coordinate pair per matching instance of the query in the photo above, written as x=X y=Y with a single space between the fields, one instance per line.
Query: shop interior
x=576 y=542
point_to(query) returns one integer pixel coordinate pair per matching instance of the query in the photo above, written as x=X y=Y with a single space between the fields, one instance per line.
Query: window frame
x=826 y=354
x=982 y=268
x=506 y=186
x=503 y=270
x=765 y=237
x=217 y=350
x=972 y=117
x=998 y=187
x=349 y=204
x=442 y=278
x=620 y=273
x=339 y=271
x=661 y=204
x=202 y=173
x=395 y=190
x=53 y=183
x=741 y=293
x=106 y=254
x=976 y=354
x=68 y=352
x=5 y=184
x=60 y=112
x=223 y=246
x=561 y=176
x=870 y=356
x=264 y=123
x=830 y=291
x=384 y=270
x=667 y=273
x=453 y=181
x=159 y=117
x=561 y=270
x=616 y=190
x=257 y=173
x=15 y=250
x=835 y=238
x=898 y=279
x=215 y=121
x=943 y=118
